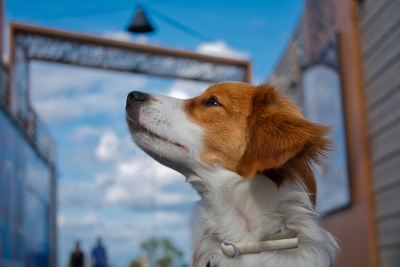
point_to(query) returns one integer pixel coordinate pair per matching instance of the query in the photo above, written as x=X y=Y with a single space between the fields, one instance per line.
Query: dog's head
x=236 y=126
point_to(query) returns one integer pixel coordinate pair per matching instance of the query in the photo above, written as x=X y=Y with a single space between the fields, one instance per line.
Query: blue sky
x=106 y=185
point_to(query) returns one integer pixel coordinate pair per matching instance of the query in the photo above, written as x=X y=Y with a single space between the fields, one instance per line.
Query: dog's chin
x=163 y=150
x=143 y=132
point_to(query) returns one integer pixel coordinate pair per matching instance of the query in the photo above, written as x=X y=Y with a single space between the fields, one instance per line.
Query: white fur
x=232 y=208
x=249 y=210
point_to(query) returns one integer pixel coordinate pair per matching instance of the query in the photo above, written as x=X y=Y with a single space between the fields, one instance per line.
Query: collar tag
x=233 y=249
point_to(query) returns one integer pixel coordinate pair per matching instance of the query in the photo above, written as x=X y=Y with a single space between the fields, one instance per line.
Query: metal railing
x=40 y=134
x=31 y=124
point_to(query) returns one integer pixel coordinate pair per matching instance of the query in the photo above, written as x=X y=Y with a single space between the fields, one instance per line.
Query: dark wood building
x=368 y=50
x=379 y=33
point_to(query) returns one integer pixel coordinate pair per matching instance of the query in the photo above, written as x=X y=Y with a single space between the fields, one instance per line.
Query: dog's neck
x=255 y=209
x=239 y=209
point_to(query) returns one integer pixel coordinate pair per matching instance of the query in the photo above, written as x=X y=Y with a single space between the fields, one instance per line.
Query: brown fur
x=225 y=135
x=257 y=129
x=196 y=258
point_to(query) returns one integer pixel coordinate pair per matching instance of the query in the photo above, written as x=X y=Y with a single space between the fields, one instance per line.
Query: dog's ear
x=277 y=133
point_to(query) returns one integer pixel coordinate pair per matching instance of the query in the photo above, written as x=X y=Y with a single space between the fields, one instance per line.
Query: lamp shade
x=140 y=23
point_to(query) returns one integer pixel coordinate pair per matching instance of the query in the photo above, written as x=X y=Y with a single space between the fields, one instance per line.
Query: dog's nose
x=135 y=96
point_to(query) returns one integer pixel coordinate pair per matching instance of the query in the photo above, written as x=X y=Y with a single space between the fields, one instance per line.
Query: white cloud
x=50 y=79
x=186 y=89
x=170 y=218
x=87 y=220
x=137 y=185
x=178 y=94
x=59 y=110
x=63 y=93
x=78 y=193
x=107 y=148
x=221 y=49
x=83 y=132
x=134 y=181
x=65 y=108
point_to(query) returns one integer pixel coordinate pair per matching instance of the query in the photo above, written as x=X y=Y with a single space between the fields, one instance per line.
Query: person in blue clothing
x=99 y=255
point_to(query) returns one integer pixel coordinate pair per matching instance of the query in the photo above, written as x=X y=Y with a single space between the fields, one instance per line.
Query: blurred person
x=77 y=257
x=99 y=255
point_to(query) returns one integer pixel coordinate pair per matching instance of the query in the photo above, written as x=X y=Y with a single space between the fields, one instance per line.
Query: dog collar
x=281 y=240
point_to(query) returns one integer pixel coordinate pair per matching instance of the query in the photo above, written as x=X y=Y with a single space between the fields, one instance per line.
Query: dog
x=250 y=154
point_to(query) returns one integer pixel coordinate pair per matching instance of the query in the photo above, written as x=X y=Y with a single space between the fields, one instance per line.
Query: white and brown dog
x=249 y=153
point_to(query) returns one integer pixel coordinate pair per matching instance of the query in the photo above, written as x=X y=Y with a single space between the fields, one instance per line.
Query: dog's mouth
x=139 y=128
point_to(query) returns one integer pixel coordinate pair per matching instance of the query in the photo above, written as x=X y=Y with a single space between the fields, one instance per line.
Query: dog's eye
x=212 y=101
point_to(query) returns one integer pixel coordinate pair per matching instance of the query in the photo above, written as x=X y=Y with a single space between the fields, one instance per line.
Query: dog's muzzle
x=135 y=97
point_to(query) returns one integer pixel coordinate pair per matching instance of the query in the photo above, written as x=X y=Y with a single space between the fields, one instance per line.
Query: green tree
x=161 y=252
x=135 y=263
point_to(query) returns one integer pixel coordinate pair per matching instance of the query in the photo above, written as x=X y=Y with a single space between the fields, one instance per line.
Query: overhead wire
x=97 y=10
x=124 y=7
x=180 y=26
